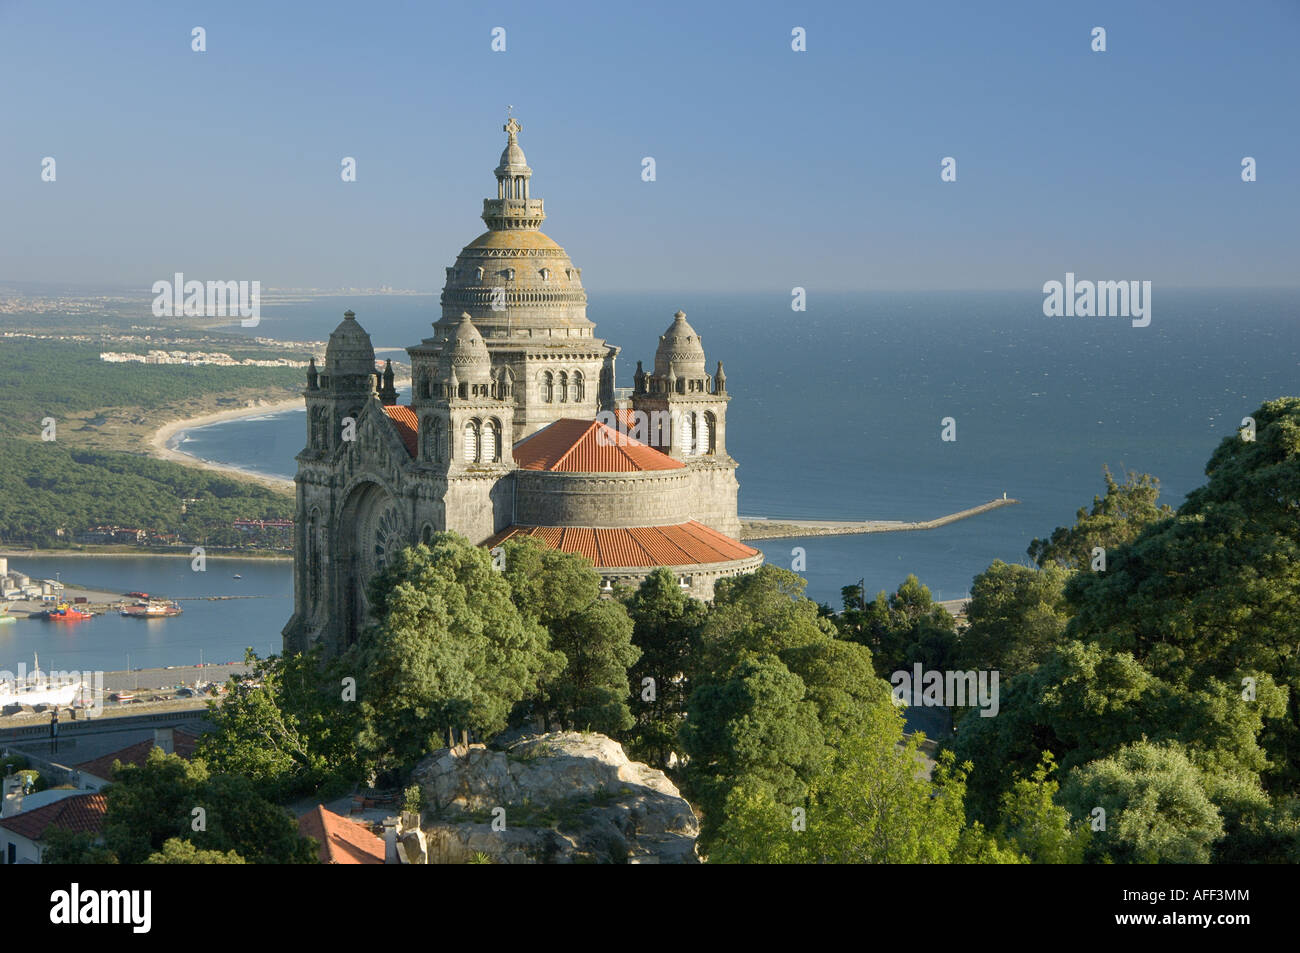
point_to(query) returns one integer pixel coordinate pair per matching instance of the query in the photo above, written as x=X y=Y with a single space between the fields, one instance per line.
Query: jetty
x=761 y=527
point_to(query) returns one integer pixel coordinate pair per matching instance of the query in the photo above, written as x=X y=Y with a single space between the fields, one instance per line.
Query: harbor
x=126 y=692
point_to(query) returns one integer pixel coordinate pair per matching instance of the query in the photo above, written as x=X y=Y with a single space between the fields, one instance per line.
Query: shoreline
x=20 y=553
x=157 y=444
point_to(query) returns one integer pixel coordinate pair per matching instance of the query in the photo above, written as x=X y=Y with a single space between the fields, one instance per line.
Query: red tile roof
x=686 y=544
x=341 y=841
x=408 y=427
x=588 y=446
x=183 y=743
x=81 y=814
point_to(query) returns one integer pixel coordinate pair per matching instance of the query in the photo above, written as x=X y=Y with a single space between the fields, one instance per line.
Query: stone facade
x=512 y=353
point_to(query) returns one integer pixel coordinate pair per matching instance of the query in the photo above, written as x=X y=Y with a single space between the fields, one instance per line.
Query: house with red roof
x=23 y=835
x=97 y=773
x=341 y=840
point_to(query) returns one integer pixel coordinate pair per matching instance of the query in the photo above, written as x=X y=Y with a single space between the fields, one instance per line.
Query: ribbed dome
x=680 y=350
x=465 y=353
x=513 y=280
x=349 y=351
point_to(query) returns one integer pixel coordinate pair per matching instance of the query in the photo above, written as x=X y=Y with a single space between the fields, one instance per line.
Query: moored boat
x=65 y=613
x=151 y=609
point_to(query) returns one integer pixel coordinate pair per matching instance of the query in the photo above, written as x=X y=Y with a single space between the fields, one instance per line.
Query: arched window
x=688 y=434
x=432 y=439
x=548 y=387
x=426 y=385
x=478 y=274
x=708 y=433
x=564 y=387
x=471 y=441
x=314 y=559
x=579 y=387
x=492 y=441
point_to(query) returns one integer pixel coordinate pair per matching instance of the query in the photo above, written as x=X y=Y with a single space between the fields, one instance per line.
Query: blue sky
x=774 y=168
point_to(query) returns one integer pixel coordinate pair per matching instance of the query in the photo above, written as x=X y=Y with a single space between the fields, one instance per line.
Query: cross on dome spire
x=513 y=206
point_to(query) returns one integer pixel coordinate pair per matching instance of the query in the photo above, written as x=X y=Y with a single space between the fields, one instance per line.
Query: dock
x=756 y=527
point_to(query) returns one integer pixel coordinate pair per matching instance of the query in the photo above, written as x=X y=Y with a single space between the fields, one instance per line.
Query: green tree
x=177 y=851
x=561 y=591
x=761 y=613
x=666 y=624
x=591 y=693
x=168 y=797
x=286 y=727
x=1212 y=595
x=1036 y=825
x=1157 y=809
x=448 y=649
x=774 y=690
x=68 y=847
x=1084 y=703
x=900 y=628
x=1016 y=615
x=873 y=804
x=756 y=726
x=1116 y=518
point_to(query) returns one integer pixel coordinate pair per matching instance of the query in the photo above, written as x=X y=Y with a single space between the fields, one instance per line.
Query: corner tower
x=685 y=408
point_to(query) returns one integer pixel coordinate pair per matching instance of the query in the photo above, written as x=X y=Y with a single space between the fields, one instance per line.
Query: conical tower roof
x=465 y=355
x=349 y=352
x=680 y=352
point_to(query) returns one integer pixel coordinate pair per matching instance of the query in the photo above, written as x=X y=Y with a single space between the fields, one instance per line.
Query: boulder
x=560 y=797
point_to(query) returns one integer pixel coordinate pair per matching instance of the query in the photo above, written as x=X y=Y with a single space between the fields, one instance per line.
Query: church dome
x=513 y=280
x=680 y=350
x=349 y=352
x=465 y=354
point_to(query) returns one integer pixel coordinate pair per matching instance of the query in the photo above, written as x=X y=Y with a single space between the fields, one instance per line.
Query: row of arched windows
x=561 y=387
x=699 y=433
x=480 y=441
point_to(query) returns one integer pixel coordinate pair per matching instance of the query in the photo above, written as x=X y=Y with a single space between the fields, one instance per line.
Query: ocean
x=835 y=414
x=836 y=411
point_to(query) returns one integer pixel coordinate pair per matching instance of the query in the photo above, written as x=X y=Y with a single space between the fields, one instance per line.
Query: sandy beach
x=158 y=441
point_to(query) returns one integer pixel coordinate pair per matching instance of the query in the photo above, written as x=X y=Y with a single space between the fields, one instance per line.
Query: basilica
x=515 y=428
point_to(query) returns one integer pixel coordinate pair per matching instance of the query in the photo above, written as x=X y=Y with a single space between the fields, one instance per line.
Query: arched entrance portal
x=371 y=529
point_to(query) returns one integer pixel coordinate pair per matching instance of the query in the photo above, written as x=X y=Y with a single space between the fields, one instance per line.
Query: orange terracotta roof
x=408 y=428
x=341 y=841
x=81 y=814
x=183 y=743
x=588 y=446
x=685 y=544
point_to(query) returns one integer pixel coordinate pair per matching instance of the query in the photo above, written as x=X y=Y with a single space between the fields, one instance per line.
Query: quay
x=755 y=527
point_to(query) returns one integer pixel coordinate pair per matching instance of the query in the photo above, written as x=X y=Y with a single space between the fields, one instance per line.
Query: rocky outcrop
x=562 y=797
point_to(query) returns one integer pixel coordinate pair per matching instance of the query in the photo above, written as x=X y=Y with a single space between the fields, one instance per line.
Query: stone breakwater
x=764 y=528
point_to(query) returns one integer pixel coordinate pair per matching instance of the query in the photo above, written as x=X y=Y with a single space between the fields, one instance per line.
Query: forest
x=61 y=484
